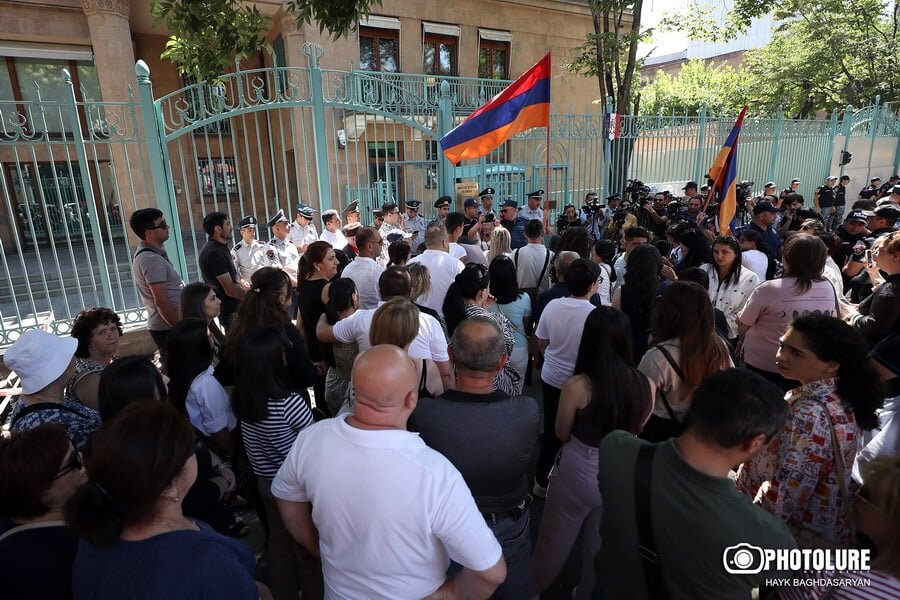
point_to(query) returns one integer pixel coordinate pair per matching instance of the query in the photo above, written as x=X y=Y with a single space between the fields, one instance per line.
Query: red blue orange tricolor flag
x=723 y=172
x=522 y=105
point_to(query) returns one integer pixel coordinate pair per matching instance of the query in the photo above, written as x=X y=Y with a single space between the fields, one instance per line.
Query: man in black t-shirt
x=491 y=438
x=217 y=268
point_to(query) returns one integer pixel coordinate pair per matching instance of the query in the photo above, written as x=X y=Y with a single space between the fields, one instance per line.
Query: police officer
x=512 y=220
x=281 y=252
x=487 y=203
x=870 y=192
x=249 y=255
x=852 y=231
x=881 y=222
x=533 y=210
x=769 y=193
x=472 y=220
x=442 y=205
x=351 y=213
x=413 y=224
x=302 y=231
x=885 y=189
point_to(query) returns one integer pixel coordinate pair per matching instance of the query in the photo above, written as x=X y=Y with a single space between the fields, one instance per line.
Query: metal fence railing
x=268 y=138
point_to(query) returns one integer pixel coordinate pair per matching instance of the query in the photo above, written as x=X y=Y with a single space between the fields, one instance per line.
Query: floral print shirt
x=795 y=477
x=79 y=420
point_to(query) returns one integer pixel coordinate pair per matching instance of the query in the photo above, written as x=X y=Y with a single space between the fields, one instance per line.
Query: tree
x=699 y=83
x=822 y=55
x=610 y=52
x=207 y=36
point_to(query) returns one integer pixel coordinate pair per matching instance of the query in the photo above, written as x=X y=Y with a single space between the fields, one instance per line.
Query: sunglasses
x=73 y=464
x=162 y=225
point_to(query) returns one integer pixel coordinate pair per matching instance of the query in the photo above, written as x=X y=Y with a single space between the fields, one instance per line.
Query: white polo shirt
x=457 y=251
x=392 y=521
x=443 y=269
x=335 y=238
x=364 y=272
x=429 y=343
x=562 y=323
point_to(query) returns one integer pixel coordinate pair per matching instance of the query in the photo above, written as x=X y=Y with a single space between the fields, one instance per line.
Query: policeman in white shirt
x=249 y=255
x=281 y=252
x=331 y=221
x=302 y=231
x=350 y=214
x=487 y=203
x=413 y=224
x=533 y=210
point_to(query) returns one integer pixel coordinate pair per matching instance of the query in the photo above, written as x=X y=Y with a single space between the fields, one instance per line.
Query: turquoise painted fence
x=71 y=172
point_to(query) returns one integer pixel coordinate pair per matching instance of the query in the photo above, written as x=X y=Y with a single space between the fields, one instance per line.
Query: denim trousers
x=514 y=536
x=573 y=506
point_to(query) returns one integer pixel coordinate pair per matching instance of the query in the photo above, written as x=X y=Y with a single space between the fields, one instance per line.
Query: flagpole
x=547 y=182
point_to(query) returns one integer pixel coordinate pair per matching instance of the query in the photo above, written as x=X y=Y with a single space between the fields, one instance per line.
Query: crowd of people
x=365 y=392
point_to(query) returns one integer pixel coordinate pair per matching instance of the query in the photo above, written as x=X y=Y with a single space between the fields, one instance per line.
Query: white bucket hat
x=39 y=358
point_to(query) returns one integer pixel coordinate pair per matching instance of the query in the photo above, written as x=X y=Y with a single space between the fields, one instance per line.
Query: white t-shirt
x=364 y=272
x=757 y=262
x=530 y=260
x=605 y=284
x=457 y=251
x=562 y=324
x=392 y=521
x=335 y=238
x=443 y=269
x=429 y=343
x=208 y=405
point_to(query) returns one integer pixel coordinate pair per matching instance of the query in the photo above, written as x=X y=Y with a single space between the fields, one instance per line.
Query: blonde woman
x=501 y=244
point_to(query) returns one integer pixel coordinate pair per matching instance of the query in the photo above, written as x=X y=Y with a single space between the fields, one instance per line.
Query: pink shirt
x=769 y=312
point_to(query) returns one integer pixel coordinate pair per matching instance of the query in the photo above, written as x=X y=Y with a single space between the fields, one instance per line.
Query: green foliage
x=339 y=17
x=720 y=88
x=207 y=36
x=823 y=55
x=609 y=53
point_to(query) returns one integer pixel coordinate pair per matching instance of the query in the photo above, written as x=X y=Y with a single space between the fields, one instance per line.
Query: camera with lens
x=637 y=192
x=593 y=207
x=742 y=192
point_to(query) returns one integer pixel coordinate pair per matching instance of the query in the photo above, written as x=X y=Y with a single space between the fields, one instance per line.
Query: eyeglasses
x=73 y=464
x=162 y=225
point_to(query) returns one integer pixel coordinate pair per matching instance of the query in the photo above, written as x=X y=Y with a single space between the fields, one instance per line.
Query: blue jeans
x=514 y=535
x=837 y=217
x=827 y=216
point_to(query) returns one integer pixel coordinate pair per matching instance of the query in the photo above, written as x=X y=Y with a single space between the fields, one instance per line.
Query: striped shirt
x=269 y=441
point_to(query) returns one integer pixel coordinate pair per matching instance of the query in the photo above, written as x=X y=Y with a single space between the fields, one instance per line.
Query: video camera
x=742 y=192
x=593 y=207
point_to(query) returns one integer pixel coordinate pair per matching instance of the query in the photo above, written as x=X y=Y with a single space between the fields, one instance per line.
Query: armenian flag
x=522 y=105
x=723 y=172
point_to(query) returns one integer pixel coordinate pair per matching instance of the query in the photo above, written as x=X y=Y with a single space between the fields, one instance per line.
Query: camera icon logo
x=743 y=559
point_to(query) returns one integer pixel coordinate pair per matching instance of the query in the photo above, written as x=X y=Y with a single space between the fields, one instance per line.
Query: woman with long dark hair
x=194 y=390
x=514 y=305
x=606 y=392
x=730 y=283
x=694 y=249
x=687 y=351
x=638 y=295
x=135 y=537
x=272 y=412
x=267 y=303
x=199 y=301
x=318 y=266
x=130 y=379
x=775 y=303
x=804 y=475
x=470 y=295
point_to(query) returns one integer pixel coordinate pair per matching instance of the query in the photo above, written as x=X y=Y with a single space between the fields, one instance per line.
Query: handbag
x=807 y=538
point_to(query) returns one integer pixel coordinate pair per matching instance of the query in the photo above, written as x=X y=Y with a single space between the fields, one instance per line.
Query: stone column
x=114 y=59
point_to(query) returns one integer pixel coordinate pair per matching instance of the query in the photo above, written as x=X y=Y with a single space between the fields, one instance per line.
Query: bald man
x=392 y=492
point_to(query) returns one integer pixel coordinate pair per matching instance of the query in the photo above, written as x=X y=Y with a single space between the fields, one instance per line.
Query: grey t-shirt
x=152 y=266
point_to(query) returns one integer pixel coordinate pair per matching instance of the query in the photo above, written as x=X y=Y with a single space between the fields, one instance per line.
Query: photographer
x=568 y=218
x=657 y=212
x=593 y=216
x=791 y=219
